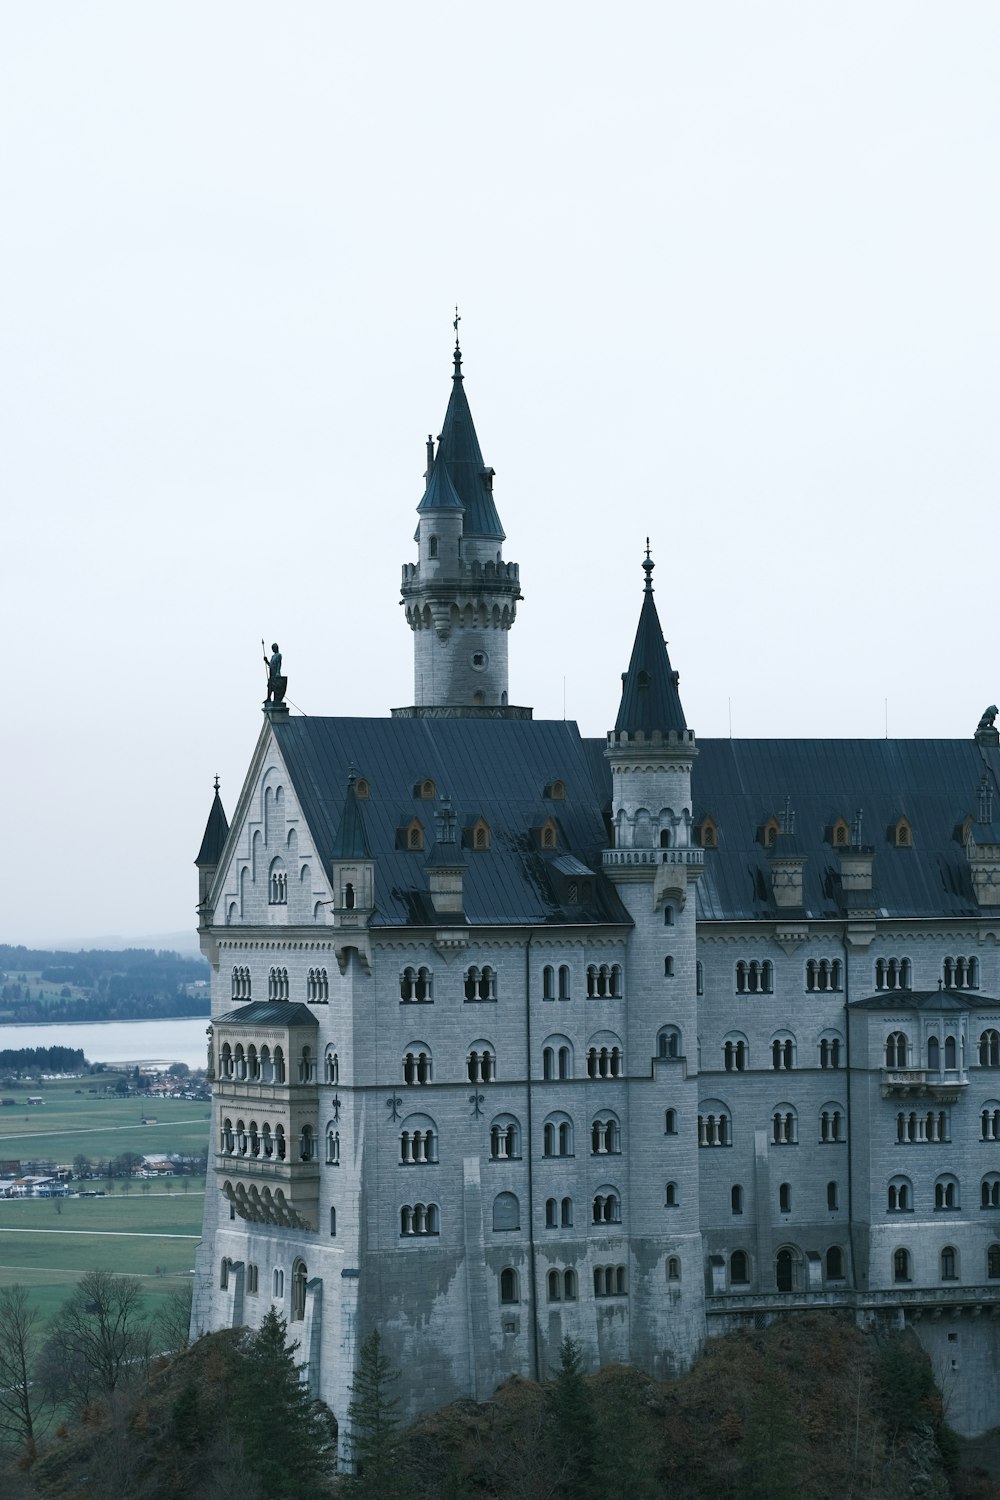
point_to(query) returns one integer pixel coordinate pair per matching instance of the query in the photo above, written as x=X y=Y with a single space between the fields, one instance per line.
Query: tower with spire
x=460 y=596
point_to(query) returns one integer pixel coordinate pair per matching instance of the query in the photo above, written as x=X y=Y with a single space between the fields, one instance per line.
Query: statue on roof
x=276 y=684
x=989 y=717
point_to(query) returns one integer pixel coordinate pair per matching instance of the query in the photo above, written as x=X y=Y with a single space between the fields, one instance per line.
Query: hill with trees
x=136 y=984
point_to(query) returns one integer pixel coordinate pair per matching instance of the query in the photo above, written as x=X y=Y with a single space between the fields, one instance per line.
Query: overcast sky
x=727 y=274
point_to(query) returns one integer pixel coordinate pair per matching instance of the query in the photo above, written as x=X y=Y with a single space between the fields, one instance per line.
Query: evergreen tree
x=286 y=1435
x=373 y=1414
x=571 y=1409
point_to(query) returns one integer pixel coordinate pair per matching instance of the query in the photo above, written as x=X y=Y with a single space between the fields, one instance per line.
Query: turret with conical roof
x=650 y=699
x=460 y=596
x=212 y=844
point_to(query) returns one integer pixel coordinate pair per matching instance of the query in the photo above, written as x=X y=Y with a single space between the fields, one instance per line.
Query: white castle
x=517 y=1034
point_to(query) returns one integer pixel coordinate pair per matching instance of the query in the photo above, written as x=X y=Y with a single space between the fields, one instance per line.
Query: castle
x=517 y=1034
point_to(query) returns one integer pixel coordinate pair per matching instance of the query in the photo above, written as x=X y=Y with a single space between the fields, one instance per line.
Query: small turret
x=460 y=596
x=208 y=857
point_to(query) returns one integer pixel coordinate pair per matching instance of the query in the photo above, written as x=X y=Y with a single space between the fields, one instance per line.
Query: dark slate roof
x=269 y=1013
x=440 y=493
x=352 y=837
x=459 y=452
x=742 y=783
x=216 y=833
x=936 y=1002
x=650 y=699
x=498 y=769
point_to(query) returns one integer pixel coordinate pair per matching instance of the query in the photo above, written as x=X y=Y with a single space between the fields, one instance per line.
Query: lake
x=181 y=1039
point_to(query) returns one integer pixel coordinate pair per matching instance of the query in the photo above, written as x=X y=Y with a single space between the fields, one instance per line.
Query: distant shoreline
x=119 y=1021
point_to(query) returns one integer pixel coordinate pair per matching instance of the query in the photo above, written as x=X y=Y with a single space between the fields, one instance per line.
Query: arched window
x=224 y=1272
x=673 y=1268
x=554 y=1286
x=993 y=1263
x=990 y=1190
x=831 y=1050
x=668 y=967
x=480 y=984
x=831 y=1196
x=557 y=1058
x=605 y=1135
x=714 y=1127
x=949 y=1263
x=755 y=977
x=549 y=982
x=607 y=1206
x=735 y=1053
x=332 y=1145
x=831 y=1124
x=672 y=1196
x=564 y=989
x=331 y=1066
x=736 y=1198
x=989 y=1049
x=989 y=1121
x=946 y=1193
x=899 y=1198
x=506 y=1212
x=896 y=1050
x=415 y=986
x=418 y=1141
x=300 y=1277
x=557 y=1135
x=318 y=987
x=307 y=1144
x=668 y=1042
x=333 y=1220
x=277 y=884
x=739 y=1268
x=835 y=1263
x=278 y=1283
x=418 y=1065
x=508 y=1285
x=785 y=1197
x=569 y=1285
x=481 y=1064
x=419 y=1219
x=901 y=1265
x=668 y=915
x=783 y=1051
x=241 y=983
x=670 y=1122
x=784 y=1126
x=505 y=1139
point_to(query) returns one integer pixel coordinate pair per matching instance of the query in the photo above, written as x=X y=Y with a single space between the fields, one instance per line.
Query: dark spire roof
x=650 y=699
x=216 y=833
x=440 y=493
x=351 y=841
x=461 y=459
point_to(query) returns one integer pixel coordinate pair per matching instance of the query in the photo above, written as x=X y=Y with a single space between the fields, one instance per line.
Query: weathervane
x=455 y=322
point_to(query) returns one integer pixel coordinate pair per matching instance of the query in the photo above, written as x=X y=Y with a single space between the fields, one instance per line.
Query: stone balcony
x=923 y=1083
x=614 y=858
x=916 y=1302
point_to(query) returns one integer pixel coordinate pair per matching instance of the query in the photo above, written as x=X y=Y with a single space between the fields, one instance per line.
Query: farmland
x=147 y=1228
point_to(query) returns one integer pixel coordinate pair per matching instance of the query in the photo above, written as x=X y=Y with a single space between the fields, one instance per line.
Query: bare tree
x=98 y=1339
x=22 y=1403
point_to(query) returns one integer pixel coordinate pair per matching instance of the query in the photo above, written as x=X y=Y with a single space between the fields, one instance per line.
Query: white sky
x=728 y=275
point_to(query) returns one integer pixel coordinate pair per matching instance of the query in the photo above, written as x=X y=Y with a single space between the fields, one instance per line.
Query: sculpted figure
x=989 y=717
x=276 y=684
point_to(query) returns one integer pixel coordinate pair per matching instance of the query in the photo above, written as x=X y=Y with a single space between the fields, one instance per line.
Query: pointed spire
x=352 y=836
x=650 y=699
x=460 y=457
x=216 y=833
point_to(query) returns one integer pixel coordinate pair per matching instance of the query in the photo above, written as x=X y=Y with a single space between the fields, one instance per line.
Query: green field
x=147 y=1228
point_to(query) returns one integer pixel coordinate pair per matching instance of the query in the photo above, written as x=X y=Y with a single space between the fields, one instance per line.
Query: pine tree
x=286 y=1435
x=373 y=1414
x=573 y=1417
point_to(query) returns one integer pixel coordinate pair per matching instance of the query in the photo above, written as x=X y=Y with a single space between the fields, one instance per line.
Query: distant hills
x=39 y=985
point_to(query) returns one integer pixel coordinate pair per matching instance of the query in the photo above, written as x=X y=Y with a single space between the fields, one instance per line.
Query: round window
x=480 y=661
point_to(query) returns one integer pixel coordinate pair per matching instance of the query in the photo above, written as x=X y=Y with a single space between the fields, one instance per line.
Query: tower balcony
x=923 y=1083
x=692 y=857
x=269 y=1191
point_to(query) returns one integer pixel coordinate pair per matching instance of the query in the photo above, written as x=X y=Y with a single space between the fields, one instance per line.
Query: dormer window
x=478 y=836
x=556 y=791
x=709 y=832
x=901 y=834
x=840 y=834
x=547 y=834
x=361 y=791
x=770 y=832
x=425 y=790
x=415 y=835
x=642 y=678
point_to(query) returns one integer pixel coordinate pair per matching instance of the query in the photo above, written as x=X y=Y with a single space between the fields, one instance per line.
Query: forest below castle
x=136 y=984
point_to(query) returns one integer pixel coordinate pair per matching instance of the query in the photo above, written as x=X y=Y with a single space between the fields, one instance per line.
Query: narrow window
x=831 y=1196
x=736 y=1198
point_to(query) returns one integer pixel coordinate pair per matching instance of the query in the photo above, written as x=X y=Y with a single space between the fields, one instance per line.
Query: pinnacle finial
x=458 y=349
x=216 y=781
x=647 y=567
x=352 y=774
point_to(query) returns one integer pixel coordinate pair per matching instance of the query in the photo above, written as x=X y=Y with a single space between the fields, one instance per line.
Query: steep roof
x=351 y=841
x=459 y=453
x=650 y=699
x=742 y=783
x=215 y=835
x=933 y=1002
x=269 y=1013
x=440 y=493
x=496 y=769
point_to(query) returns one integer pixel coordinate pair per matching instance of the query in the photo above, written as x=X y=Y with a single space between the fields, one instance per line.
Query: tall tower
x=654 y=866
x=460 y=596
